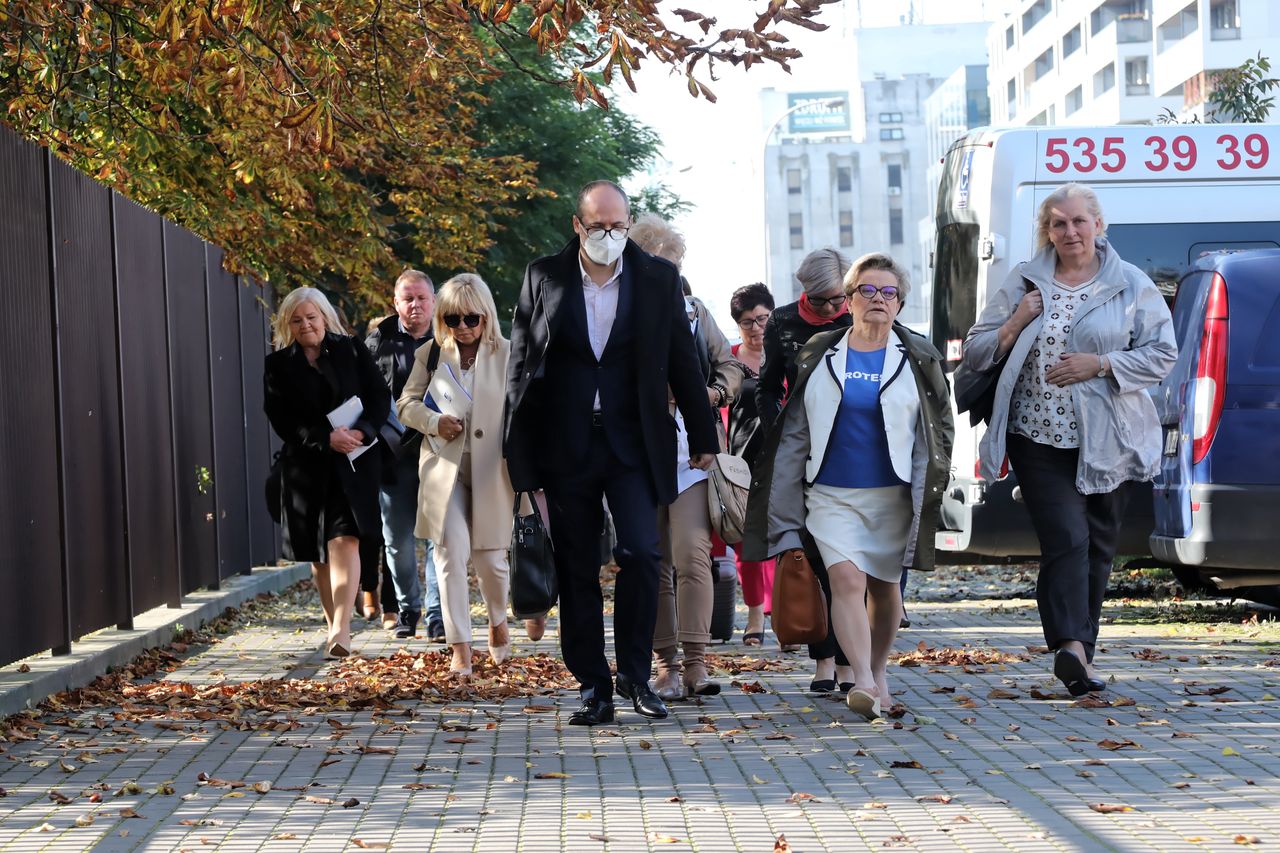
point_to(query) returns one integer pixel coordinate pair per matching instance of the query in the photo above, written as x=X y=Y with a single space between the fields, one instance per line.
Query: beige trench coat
x=491 y=493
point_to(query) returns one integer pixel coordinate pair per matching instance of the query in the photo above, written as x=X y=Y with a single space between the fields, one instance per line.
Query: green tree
x=1243 y=93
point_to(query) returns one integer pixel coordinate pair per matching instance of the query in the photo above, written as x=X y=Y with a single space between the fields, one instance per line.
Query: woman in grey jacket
x=1078 y=336
x=856 y=467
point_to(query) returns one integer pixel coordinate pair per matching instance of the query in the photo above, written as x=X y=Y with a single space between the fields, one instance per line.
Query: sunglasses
x=470 y=320
x=833 y=301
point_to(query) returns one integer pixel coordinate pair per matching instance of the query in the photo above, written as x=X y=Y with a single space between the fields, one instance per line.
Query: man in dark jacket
x=600 y=332
x=393 y=344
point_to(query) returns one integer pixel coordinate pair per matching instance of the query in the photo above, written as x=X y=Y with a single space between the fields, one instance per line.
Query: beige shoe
x=864 y=703
x=499 y=642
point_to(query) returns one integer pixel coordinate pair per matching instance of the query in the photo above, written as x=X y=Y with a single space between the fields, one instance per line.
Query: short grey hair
x=822 y=271
x=877 y=261
x=412 y=276
x=659 y=237
x=1058 y=196
x=588 y=188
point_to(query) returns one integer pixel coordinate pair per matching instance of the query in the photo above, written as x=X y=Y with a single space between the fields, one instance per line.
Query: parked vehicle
x=1217 y=497
x=1169 y=194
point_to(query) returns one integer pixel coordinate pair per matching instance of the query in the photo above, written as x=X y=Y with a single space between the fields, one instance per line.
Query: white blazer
x=899 y=402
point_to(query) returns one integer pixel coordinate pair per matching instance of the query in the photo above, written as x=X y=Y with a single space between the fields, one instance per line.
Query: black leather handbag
x=534 y=588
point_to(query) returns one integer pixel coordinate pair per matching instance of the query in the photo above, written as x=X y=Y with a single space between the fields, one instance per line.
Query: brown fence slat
x=92 y=473
x=148 y=433
x=30 y=526
x=192 y=410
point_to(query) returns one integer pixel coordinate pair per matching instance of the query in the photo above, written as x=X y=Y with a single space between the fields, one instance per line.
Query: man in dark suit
x=599 y=335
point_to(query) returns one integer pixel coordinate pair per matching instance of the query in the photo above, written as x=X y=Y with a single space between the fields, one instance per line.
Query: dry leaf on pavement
x=1110 y=808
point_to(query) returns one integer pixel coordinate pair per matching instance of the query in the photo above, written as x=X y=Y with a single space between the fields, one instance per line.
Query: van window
x=1165 y=251
x=955 y=284
x=1267 y=354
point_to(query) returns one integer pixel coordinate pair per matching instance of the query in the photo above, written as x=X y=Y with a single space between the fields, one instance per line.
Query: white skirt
x=867 y=527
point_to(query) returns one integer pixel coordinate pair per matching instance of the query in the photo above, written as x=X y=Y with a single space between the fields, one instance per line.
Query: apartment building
x=1082 y=62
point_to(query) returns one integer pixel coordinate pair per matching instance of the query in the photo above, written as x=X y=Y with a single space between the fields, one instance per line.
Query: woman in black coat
x=327 y=500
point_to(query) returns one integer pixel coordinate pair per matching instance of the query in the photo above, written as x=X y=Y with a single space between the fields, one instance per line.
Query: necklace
x=468 y=363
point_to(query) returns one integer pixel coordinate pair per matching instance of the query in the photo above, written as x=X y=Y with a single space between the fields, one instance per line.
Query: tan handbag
x=728 y=483
x=799 y=607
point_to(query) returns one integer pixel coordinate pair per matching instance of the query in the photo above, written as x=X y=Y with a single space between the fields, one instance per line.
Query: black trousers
x=1078 y=537
x=576 y=513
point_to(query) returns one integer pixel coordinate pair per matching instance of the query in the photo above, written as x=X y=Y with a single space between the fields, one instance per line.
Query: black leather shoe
x=592 y=713
x=643 y=699
x=822 y=685
x=1071 y=671
x=1096 y=685
x=407 y=624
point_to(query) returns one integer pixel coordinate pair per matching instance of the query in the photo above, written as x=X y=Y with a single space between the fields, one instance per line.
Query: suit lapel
x=894 y=361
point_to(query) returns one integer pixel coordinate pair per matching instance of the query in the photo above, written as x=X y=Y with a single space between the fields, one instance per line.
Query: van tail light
x=1211 y=371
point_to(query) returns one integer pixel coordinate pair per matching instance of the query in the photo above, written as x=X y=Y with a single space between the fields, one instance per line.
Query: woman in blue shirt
x=860 y=464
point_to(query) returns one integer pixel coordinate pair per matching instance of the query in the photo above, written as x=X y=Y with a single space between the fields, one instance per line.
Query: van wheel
x=1265 y=595
x=1191 y=580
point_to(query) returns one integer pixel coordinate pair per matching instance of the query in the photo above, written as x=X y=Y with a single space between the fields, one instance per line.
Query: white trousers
x=452 y=554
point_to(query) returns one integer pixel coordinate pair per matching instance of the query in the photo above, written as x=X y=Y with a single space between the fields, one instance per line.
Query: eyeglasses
x=596 y=232
x=752 y=322
x=471 y=320
x=869 y=291
x=833 y=301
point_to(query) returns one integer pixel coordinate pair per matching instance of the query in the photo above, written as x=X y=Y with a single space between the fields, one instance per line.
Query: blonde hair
x=282 y=335
x=659 y=237
x=877 y=261
x=465 y=293
x=1058 y=196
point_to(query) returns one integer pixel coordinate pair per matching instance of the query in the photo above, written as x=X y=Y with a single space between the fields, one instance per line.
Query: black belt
x=597 y=419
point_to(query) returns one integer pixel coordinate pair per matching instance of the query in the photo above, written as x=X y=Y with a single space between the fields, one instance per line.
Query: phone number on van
x=1085 y=154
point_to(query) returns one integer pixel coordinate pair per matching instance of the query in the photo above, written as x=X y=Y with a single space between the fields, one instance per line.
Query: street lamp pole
x=831 y=103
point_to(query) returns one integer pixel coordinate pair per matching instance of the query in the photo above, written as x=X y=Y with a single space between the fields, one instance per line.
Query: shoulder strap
x=433 y=357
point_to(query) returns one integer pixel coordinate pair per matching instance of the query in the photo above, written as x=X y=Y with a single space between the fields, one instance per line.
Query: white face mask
x=604 y=248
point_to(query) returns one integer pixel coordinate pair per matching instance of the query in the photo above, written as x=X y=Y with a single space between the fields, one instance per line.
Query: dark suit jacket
x=547 y=422
x=297 y=403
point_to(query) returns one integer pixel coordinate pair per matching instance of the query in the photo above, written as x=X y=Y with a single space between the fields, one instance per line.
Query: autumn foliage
x=311 y=139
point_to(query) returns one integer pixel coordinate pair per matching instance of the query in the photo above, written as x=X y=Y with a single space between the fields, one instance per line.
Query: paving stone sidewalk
x=1172 y=761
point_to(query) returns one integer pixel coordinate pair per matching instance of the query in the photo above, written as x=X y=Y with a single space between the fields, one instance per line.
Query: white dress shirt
x=686 y=475
x=602 y=309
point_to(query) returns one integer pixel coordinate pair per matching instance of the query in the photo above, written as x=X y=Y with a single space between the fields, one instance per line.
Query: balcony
x=1133 y=30
x=1224 y=33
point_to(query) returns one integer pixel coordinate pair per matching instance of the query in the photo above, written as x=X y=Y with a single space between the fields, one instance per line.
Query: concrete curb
x=96 y=653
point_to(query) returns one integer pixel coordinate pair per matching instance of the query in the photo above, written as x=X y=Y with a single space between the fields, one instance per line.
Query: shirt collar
x=587 y=281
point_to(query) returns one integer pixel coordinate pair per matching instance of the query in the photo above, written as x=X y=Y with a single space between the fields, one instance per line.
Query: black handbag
x=534 y=588
x=274 y=487
x=976 y=390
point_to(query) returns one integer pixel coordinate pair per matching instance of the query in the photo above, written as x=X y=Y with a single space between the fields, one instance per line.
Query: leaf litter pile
x=964 y=656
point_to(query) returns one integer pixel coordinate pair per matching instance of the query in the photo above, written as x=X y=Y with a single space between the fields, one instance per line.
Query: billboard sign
x=817 y=114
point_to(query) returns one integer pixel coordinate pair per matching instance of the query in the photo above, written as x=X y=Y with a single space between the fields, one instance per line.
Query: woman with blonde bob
x=327 y=501
x=465 y=495
x=1076 y=336
x=857 y=466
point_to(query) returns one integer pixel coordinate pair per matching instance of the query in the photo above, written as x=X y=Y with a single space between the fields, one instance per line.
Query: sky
x=712 y=153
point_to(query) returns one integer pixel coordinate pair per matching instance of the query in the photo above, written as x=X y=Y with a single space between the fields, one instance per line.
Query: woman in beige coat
x=465 y=496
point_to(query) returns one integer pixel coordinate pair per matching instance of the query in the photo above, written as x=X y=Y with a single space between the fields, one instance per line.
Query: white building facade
x=1085 y=62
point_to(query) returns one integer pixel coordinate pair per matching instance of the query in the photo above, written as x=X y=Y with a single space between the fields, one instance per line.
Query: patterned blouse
x=1040 y=410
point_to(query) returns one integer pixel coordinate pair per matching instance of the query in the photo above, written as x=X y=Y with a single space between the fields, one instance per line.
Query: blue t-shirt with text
x=857 y=454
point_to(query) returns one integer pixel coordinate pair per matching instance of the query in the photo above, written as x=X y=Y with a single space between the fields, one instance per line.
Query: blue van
x=1217 y=496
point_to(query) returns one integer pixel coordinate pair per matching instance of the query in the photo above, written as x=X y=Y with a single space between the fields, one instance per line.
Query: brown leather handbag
x=799 y=607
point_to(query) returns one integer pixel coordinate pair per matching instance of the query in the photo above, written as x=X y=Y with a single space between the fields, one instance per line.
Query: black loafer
x=592 y=713
x=822 y=685
x=846 y=686
x=1070 y=670
x=643 y=699
x=1096 y=685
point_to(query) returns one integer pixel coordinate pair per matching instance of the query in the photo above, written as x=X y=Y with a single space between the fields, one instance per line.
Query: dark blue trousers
x=574 y=504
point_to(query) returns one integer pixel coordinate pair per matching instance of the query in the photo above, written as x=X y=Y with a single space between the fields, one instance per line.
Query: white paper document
x=345 y=416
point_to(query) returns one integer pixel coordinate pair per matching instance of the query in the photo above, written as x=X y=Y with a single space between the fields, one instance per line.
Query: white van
x=1169 y=193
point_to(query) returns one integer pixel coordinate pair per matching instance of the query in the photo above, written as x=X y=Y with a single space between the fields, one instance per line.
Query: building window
x=1008 y=37
x=846 y=228
x=1034 y=14
x=895 y=178
x=797 y=231
x=1071 y=42
x=1224 y=20
x=1012 y=89
x=1105 y=79
x=844 y=179
x=895 y=227
x=890 y=133
x=1179 y=26
x=891 y=118
x=1043 y=64
x=1136 y=81
x=793 y=182
x=1075 y=99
